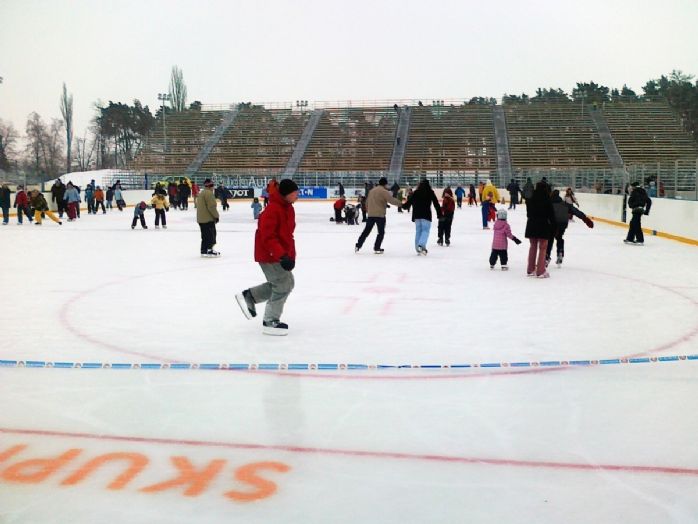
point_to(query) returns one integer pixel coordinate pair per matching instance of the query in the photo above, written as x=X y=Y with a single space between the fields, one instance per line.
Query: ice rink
x=537 y=444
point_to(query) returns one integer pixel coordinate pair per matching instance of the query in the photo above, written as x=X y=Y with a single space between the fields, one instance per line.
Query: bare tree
x=53 y=149
x=178 y=90
x=36 y=132
x=85 y=149
x=67 y=112
x=43 y=146
x=8 y=138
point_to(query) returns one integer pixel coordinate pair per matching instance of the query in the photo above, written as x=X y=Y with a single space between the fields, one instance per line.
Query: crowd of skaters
x=548 y=215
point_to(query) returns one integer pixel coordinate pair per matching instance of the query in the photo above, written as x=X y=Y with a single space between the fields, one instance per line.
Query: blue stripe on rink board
x=297 y=366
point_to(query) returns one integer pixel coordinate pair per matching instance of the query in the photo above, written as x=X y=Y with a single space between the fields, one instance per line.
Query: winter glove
x=588 y=222
x=516 y=241
x=287 y=263
x=216 y=221
x=646 y=213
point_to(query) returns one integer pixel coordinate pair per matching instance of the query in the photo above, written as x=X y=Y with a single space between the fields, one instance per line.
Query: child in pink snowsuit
x=502 y=231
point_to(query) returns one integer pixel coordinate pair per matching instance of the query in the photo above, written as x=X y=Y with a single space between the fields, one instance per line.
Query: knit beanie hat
x=287 y=186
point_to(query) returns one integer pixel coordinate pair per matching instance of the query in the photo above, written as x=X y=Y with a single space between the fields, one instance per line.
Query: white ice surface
x=378 y=446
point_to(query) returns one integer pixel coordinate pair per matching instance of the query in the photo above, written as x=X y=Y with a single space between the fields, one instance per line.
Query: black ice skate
x=274 y=328
x=379 y=251
x=246 y=304
x=559 y=260
x=211 y=254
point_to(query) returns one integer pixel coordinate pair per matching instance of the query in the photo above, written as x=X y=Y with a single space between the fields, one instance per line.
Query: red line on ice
x=627 y=468
x=381 y=376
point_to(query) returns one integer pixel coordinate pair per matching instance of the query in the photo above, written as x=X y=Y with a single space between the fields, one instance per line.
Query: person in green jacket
x=40 y=206
x=207 y=217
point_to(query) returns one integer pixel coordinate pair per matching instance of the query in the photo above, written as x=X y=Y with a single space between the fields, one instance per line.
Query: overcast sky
x=275 y=50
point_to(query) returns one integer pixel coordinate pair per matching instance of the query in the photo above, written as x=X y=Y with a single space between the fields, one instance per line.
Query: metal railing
x=340 y=104
x=669 y=179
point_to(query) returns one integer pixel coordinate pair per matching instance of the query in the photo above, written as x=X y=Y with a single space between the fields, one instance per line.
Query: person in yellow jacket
x=159 y=203
x=490 y=195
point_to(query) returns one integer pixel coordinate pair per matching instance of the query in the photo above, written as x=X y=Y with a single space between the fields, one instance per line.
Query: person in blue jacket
x=256 y=208
x=460 y=193
x=72 y=199
x=90 y=199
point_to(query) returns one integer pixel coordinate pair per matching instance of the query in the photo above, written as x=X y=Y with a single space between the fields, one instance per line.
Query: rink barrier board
x=338 y=366
x=648 y=231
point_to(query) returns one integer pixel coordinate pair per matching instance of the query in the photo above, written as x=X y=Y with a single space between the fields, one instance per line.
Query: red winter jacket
x=274 y=236
x=448 y=205
x=339 y=204
x=21 y=199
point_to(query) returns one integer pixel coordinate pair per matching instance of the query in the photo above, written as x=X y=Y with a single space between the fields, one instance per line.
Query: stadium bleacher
x=451 y=140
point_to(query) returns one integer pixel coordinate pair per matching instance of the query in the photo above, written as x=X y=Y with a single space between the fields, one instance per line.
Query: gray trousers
x=274 y=291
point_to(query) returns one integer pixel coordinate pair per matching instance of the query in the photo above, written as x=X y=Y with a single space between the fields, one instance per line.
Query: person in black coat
x=472 y=196
x=421 y=201
x=57 y=193
x=640 y=204
x=514 y=191
x=562 y=211
x=539 y=228
x=183 y=193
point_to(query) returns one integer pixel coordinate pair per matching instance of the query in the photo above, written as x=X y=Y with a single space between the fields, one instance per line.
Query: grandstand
x=173 y=145
x=648 y=131
x=261 y=140
x=553 y=135
x=453 y=141
x=352 y=140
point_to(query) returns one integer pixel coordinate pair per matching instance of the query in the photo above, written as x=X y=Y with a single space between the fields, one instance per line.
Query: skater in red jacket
x=275 y=251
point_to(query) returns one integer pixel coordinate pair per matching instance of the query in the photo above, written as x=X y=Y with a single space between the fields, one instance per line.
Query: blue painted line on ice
x=325 y=366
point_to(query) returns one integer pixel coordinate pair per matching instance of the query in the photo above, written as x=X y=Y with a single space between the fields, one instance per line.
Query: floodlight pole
x=164 y=97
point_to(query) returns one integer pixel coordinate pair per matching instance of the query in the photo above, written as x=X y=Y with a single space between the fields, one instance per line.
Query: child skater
x=256 y=208
x=99 y=200
x=502 y=231
x=22 y=205
x=472 y=199
x=139 y=213
x=159 y=203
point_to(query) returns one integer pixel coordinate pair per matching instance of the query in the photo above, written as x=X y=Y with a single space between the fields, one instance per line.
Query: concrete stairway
x=502 y=142
x=609 y=145
x=205 y=151
x=302 y=145
x=400 y=144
